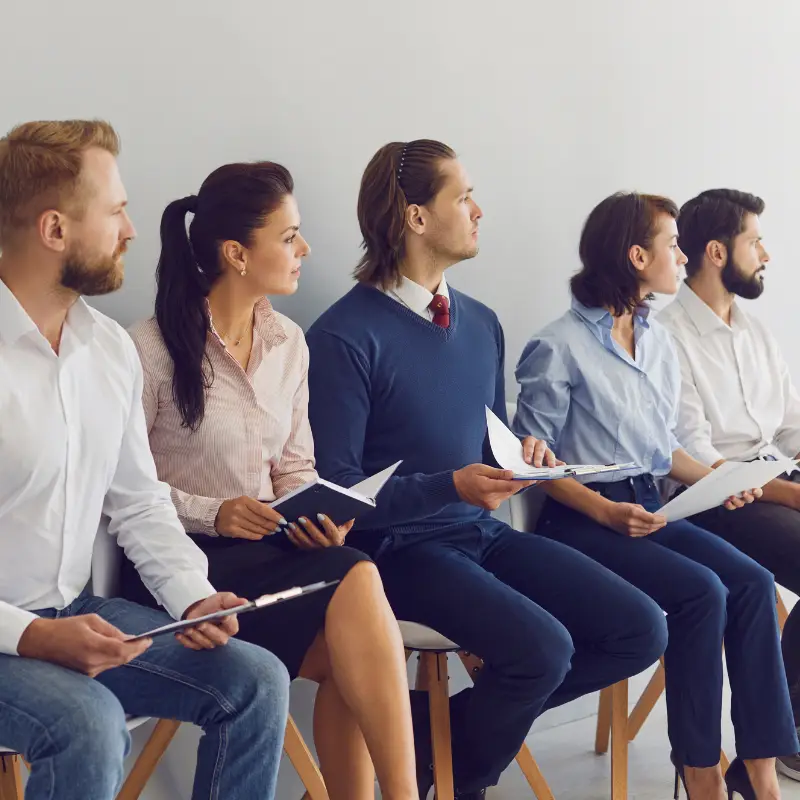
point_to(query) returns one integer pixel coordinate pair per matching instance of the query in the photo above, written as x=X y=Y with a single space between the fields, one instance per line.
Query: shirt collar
x=601 y=317
x=267 y=325
x=15 y=322
x=415 y=296
x=701 y=315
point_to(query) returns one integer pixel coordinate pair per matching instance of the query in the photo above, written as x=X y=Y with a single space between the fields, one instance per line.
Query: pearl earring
x=243 y=272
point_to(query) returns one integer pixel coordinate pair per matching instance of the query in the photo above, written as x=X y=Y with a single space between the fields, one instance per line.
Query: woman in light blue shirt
x=601 y=385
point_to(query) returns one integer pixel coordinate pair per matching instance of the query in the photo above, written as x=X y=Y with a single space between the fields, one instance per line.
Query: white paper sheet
x=507 y=451
x=370 y=487
x=727 y=480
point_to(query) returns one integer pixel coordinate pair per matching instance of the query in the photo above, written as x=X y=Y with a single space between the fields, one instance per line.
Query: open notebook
x=340 y=504
x=507 y=451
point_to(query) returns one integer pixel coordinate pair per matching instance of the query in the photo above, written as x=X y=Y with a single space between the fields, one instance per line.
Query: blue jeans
x=711 y=593
x=71 y=728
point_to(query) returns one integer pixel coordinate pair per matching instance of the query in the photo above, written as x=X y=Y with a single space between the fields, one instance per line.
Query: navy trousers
x=711 y=593
x=550 y=624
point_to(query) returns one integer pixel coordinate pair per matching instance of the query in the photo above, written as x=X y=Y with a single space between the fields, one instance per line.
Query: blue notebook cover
x=336 y=502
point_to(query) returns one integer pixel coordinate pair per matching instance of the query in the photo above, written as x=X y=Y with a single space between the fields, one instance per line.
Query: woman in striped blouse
x=225 y=396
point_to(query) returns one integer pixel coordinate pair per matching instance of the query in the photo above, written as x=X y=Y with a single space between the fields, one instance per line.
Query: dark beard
x=93 y=276
x=736 y=283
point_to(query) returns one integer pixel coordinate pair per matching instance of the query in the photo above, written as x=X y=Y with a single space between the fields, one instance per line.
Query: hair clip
x=402 y=161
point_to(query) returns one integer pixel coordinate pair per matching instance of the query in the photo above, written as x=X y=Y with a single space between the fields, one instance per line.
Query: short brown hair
x=400 y=174
x=608 y=279
x=716 y=214
x=40 y=166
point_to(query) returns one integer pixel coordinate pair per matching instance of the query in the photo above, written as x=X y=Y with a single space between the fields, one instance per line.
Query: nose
x=305 y=247
x=129 y=231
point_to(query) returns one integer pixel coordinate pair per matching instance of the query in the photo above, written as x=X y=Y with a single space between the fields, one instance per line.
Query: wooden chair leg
x=525 y=760
x=421 y=682
x=530 y=769
x=603 y=732
x=148 y=759
x=619 y=741
x=646 y=702
x=434 y=666
x=10 y=778
x=304 y=763
x=782 y=612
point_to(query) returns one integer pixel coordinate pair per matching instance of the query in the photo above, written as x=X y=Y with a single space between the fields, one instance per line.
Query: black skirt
x=250 y=569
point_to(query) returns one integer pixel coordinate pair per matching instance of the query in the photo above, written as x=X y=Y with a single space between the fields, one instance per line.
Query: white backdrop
x=552 y=104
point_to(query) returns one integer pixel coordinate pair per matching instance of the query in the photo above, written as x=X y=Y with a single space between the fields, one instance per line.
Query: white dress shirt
x=73 y=447
x=417 y=297
x=737 y=398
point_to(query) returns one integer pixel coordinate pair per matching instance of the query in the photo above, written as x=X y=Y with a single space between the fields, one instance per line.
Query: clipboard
x=264 y=601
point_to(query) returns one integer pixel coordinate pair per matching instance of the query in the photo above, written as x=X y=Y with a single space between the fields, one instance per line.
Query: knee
x=364 y=576
x=758 y=582
x=548 y=652
x=649 y=635
x=251 y=681
x=710 y=595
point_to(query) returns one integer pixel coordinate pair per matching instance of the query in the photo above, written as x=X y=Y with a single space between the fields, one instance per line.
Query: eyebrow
x=291 y=228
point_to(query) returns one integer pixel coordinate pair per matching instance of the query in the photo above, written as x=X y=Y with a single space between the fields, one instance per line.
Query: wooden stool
x=432 y=676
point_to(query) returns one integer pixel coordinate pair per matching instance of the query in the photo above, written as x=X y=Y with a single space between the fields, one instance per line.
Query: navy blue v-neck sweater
x=388 y=385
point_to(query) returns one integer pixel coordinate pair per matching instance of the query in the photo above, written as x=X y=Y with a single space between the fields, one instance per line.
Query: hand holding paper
x=729 y=479
x=508 y=452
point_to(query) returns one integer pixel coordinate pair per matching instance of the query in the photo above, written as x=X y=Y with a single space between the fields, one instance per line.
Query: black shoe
x=738 y=781
x=680 y=778
x=423 y=748
x=479 y=795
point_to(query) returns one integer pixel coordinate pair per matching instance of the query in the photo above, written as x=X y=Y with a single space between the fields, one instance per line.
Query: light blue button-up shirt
x=594 y=404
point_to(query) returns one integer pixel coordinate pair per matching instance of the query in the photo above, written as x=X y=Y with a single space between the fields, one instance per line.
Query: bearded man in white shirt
x=738 y=402
x=73 y=449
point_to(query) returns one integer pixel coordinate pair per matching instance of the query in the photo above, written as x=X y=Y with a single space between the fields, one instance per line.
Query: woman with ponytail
x=225 y=397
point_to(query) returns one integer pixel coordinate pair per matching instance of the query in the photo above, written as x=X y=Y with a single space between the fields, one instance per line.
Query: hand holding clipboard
x=260 y=602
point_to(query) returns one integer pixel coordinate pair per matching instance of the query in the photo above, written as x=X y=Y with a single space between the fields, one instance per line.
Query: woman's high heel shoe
x=737 y=781
x=680 y=778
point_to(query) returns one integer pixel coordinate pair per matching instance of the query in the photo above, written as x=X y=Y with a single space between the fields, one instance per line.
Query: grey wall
x=552 y=104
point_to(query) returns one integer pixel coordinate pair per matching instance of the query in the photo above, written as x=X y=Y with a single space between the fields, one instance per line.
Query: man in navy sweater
x=401 y=368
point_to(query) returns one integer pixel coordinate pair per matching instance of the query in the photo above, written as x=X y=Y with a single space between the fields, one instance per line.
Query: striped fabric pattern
x=255 y=438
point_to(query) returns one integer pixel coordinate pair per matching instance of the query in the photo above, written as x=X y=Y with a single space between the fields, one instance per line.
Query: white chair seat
x=419 y=637
x=132 y=722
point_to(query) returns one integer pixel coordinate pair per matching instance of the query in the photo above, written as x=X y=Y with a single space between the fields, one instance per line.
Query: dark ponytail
x=400 y=174
x=233 y=202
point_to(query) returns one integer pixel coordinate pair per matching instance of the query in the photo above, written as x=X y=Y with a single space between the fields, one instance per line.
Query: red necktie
x=441 y=311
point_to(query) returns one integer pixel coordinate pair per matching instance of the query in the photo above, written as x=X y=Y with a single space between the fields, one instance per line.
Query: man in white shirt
x=73 y=449
x=738 y=402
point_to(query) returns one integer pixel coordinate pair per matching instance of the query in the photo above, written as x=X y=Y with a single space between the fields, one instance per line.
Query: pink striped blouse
x=255 y=438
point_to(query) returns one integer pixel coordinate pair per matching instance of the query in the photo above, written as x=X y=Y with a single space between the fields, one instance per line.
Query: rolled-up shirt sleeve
x=544 y=392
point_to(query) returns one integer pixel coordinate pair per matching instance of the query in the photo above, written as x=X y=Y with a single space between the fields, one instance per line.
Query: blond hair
x=40 y=168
